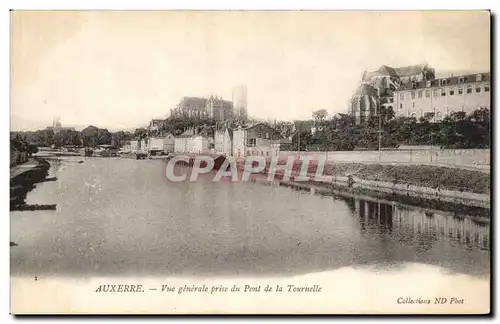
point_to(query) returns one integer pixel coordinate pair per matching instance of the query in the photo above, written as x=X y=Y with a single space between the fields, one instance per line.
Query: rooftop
x=450 y=81
x=410 y=70
x=365 y=90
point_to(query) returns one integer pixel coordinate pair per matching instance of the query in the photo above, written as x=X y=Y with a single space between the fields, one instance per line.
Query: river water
x=120 y=217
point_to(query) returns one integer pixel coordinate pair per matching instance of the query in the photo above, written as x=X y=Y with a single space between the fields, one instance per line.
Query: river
x=120 y=217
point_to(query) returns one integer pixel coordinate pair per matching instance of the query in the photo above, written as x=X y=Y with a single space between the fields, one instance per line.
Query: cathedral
x=377 y=89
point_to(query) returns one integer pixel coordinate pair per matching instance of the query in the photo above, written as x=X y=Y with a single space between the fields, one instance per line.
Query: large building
x=219 y=109
x=438 y=98
x=240 y=101
x=414 y=91
x=193 y=107
x=57 y=126
x=213 y=107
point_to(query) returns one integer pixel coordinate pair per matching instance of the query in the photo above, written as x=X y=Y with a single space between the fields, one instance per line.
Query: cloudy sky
x=118 y=69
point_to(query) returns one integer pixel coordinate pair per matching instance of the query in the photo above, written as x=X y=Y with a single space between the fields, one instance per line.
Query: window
x=414 y=115
x=460 y=90
x=486 y=87
x=452 y=92
x=413 y=104
x=434 y=93
x=443 y=82
x=427 y=93
x=252 y=142
x=428 y=84
x=469 y=89
x=478 y=89
x=401 y=106
x=461 y=80
x=402 y=96
x=479 y=77
x=413 y=95
x=443 y=92
x=420 y=94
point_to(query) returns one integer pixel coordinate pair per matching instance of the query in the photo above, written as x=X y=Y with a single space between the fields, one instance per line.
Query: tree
x=103 y=136
x=429 y=116
x=140 y=133
x=320 y=115
x=89 y=136
x=32 y=149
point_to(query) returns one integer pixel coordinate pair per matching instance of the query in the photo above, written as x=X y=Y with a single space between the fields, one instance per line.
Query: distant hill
x=18 y=123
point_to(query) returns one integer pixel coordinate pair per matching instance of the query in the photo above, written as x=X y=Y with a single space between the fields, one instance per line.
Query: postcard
x=250 y=162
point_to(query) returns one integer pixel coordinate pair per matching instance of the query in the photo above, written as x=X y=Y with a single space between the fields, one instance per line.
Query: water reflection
x=120 y=217
x=411 y=224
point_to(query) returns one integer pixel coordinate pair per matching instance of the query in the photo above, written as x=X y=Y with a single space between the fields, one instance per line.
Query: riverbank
x=441 y=178
x=23 y=180
x=441 y=184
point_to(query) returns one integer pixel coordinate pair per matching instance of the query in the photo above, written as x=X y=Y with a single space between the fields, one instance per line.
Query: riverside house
x=223 y=141
x=194 y=142
x=136 y=145
x=198 y=144
x=180 y=143
x=161 y=145
x=259 y=139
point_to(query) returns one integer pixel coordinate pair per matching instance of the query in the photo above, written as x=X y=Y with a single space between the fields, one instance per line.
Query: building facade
x=193 y=142
x=438 y=98
x=240 y=102
x=180 y=144
x=213 y=107
x=258 y=140
x=414 y=91
x=364 y=103
x=192 y=107
x=223 y=141
x=219 y=109
x=137 y=146
x=199 y=144
x=161 y=144
x=377 y=88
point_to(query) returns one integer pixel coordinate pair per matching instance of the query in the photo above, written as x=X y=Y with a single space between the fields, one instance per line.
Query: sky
x=120 y=69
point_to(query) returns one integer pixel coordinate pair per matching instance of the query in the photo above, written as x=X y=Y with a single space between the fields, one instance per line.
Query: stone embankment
x=466 y=187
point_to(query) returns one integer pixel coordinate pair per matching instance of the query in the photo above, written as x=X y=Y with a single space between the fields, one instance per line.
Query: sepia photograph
x=250 y=162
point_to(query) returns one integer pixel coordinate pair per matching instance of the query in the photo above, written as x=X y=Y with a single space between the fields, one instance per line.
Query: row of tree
x=339 y=132
x=19 y=144
x=91 y=136
x=457 y=130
